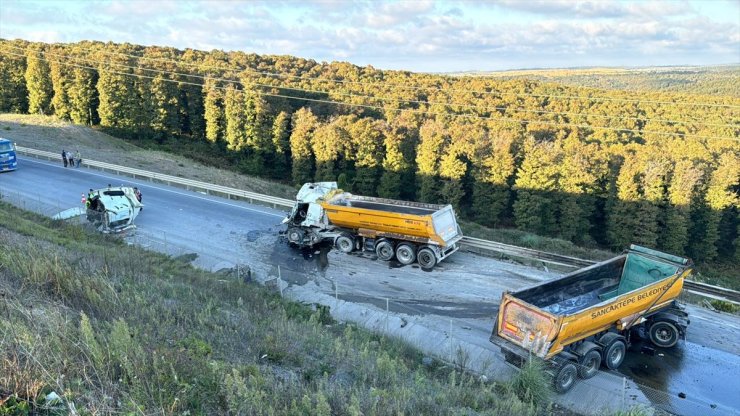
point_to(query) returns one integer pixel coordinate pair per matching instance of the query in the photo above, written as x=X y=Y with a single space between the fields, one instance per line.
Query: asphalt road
x=462 y=293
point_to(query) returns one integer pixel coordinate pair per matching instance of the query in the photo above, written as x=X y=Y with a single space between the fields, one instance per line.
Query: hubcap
x=566 y=378
x=385 y=251
x=404 y=254
x=664 y=335
x=616 y=355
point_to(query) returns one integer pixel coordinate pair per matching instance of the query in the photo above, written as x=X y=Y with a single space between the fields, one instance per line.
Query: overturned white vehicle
x=113 y=209
x=110 y=210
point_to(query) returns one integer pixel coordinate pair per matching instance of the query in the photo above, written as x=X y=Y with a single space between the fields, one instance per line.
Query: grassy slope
x=115 y=328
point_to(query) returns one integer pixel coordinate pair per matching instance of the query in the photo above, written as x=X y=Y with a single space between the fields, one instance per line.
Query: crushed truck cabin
x=407 y=231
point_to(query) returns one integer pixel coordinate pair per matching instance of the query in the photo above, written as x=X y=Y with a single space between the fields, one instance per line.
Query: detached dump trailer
x=588 y=317
x=408 y=231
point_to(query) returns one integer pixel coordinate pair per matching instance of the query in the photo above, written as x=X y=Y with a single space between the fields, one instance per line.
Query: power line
x=469 y=116
x=439 y=89
x=198 y=76
x=469 y=106
x=504 y=109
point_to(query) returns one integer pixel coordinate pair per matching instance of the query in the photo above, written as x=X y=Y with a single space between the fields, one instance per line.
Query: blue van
x=8 y=159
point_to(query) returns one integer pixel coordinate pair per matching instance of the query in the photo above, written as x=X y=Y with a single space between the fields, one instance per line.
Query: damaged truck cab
x=407 y=231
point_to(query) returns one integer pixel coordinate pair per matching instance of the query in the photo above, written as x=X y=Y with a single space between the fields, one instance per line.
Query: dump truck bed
x=421 y=222
x=545 y=318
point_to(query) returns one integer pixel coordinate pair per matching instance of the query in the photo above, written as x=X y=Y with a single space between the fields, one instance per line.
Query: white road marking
x=150 y=185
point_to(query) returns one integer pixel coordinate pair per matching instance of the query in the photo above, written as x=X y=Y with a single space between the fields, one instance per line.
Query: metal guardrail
x=477 y=244
x=230 y=193
x=469 y=243
x=711 y=291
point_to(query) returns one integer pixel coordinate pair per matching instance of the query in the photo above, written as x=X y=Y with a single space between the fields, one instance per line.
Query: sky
x=414 y=35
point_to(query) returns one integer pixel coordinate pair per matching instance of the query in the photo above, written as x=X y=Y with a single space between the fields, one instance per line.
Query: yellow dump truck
x=588 y=318
x=407 y=231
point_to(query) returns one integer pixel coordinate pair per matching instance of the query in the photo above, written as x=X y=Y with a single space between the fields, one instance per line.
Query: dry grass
x=116 y=329
x=53 y=135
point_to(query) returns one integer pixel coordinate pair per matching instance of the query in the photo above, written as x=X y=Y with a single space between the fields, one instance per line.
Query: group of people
x=71 y=160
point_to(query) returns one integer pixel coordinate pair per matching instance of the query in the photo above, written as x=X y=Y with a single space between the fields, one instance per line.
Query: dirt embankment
x=53 y=135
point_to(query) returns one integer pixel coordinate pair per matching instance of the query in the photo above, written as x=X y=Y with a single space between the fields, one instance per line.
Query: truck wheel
x=426 y=258
x=384 y=250
x=295 y=235
x=589 y=364
x=565 y=377
x=345 y=243
x=663 y=334
x=406 y=253
x=614 y=354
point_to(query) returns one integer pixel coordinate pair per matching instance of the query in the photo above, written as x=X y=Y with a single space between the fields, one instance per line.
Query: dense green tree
x=366 y=134
x=61 y=79
x=38 y=83
x=303 y=125
x=432 y=138
x=536 y=183
x=235 y=133
x=652 y=200
x=400 y=143
x=393 y=164
x=13 y=92
x=257 y=124
x=83 y=95
x=581 y=171
x=682 y=192
x=494 y=165
x=326 y=145
x=622 y=220
x=165 y=120
x=721 y=194
x=192 y=111
x=281 y=142
x=213 y=111
x=120 y=107
x=453 y=165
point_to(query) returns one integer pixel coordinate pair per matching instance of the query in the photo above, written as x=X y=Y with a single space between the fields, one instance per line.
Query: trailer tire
x=663 y=334
x=384 y=250
x=426 y=258
x=345 y=243
x=614 y=354
x=406 y=253
x=565 y=377
x=295 y=235
x=589 y=363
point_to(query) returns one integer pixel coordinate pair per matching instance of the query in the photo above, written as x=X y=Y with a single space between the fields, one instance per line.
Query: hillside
x=54 y=135
x=595 y=167
x=114 y=329
x=709 y=80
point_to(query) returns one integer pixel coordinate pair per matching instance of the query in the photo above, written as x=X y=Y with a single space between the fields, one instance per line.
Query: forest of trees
x=709 y=80
x=590 y=166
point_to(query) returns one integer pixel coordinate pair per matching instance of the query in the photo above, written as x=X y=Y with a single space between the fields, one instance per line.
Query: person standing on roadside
x=64 y=157
x=78 y=158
